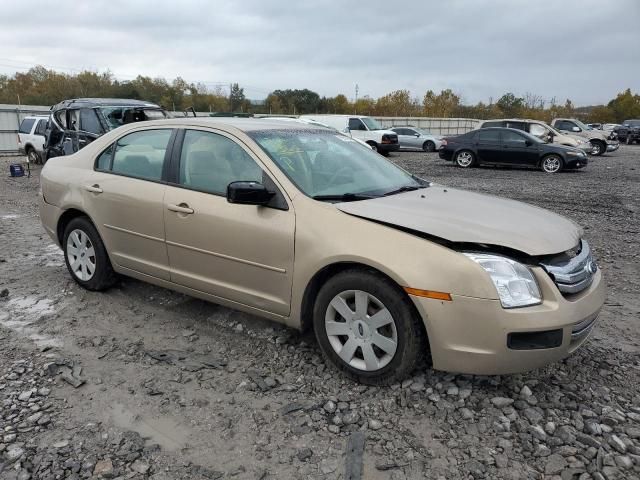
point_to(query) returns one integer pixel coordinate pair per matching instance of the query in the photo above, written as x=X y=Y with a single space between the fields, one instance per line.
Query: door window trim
x=168 y=152
x=280 y=200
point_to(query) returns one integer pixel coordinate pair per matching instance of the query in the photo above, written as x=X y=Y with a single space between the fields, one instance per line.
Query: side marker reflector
x=428 y=294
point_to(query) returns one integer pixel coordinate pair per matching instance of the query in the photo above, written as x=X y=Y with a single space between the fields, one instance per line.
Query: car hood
x=467 y=217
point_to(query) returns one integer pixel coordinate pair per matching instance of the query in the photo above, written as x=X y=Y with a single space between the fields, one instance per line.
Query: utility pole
x=355 y=104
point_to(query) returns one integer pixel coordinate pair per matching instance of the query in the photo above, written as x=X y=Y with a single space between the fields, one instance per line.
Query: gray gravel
x=163 y=386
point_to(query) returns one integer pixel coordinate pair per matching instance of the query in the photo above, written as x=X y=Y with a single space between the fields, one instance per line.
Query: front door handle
x=95 y=188
x=182 y=208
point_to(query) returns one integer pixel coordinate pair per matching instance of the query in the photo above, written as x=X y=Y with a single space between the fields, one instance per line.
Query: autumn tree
x=442 y=105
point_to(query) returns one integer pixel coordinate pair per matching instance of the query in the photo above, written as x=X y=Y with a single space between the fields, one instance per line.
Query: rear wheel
x=366 y=327
x=552 y=163
x=85 y=255
x=428 y=146
x=598 y=147
x=33 y=156
x=465 y=158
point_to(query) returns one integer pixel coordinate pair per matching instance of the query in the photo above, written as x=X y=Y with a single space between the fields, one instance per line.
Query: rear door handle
x=182 y=208
x=93 y=188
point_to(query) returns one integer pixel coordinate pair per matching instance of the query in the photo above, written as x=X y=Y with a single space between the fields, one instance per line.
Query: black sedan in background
x=508 y=146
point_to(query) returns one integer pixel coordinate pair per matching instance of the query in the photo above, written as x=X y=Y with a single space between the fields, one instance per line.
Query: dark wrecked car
x=77 y=122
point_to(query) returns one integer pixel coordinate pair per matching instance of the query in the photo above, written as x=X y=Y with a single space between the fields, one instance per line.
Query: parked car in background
x=600 y=141
x=412 y=138
x=595 y=126
x=75 y=123
x=306 y=121
x=509 y=146
x=31 y=137
x=629 y=131
x=385 y=267
x=541 y=130
x=365 y=128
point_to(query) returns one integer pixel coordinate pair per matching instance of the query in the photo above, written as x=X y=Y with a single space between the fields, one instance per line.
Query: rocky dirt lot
x=141 y=382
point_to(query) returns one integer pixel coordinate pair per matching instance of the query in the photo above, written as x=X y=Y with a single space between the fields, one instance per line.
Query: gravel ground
x=142 y=382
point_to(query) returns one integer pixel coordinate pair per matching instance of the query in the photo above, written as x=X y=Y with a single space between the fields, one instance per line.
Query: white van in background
x=361 y=127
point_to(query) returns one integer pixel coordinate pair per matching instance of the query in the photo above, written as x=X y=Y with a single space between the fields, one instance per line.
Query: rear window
x=27 y=123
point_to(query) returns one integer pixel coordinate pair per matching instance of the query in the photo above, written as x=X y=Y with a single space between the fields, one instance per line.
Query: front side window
x=210 y=162
x=372 y=123
x=356 y=124
x=537 y=130
x=139 y=154
x=323 y=163
x=517 y=125
x=25 y=126
x=41 y=127
x=89 y=121
x=512 y=137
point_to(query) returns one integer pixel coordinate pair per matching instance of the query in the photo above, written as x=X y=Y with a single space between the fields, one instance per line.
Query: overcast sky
x=585 y=50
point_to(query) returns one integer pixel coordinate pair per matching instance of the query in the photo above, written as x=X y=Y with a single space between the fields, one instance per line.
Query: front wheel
x=85 y=255
x=366 y=327
x=373 y=145
x=598 y=147
x=428 y=146
x=465 y=159
x=552 y=164
x=33 y=157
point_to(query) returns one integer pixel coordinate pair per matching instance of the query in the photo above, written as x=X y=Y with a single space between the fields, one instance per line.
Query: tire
x=83 y=252
x=429 y=146
x=401 y=335
x=465 y=159
x=552 y=163
x=374 y=146
x=33 y=156
x=598 y=147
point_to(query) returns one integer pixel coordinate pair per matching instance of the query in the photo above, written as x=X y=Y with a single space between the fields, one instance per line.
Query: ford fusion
x=304 y=226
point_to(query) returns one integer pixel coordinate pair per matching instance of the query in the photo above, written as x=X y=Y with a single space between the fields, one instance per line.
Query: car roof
x=243 y=124
x=514 y=120
x=97 y=102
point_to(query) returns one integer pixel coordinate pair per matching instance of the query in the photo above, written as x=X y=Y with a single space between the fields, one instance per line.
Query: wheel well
x=371 y=142
x=28 y=147
x=320 y=278
x=64 y=220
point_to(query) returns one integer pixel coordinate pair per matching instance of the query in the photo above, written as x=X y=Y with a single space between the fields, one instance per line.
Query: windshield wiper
x=344 y=197
x=405 y=188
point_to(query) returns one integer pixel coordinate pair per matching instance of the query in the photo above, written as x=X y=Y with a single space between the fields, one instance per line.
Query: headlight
x=515 y=283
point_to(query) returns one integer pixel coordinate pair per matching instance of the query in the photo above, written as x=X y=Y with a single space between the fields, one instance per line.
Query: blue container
x=16 y=170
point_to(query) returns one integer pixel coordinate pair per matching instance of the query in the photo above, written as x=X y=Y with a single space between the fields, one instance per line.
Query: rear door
x=406 y=137
x=489 y=145
x=242 y=253
x=124 y=196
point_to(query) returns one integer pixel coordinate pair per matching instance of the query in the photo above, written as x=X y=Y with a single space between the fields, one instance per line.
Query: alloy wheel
x=81 y=255
x=361 y=330
x=33 y=157
x=551 y=164
x=464 y=159
x=595 y=148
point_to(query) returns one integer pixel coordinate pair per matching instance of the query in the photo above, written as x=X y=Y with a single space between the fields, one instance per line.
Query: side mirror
x=248 y=193
x=575 y=129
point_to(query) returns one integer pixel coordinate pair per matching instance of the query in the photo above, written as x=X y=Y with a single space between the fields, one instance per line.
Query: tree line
x=41 y=86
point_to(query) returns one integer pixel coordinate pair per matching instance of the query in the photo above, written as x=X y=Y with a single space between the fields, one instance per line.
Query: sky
x=584 y=50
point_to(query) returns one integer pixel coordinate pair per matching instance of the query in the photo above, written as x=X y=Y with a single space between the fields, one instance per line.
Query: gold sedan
x=306 y=227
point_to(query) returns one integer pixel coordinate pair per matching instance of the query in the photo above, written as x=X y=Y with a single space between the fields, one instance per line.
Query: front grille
x=573 y=270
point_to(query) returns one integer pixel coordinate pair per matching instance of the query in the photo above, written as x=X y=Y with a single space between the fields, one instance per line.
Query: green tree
x=236 y=97
x=510 y=105
x=626 y=105
x=442 y=105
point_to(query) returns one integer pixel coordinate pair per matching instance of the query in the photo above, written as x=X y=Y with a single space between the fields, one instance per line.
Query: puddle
x=167 y=433
x=22 y=312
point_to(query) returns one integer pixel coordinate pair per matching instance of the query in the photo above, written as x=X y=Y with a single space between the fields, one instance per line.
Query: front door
x=518 y=150
x=242 y=253
x=124 y=196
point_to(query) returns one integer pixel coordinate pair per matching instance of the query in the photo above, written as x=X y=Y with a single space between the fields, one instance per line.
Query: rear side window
x=489 y=136
x=209 y=162
x=89 y=121
x=517 y=125
x=27 y=123
x=139 y=154
x=491 y=124
x=41 y=127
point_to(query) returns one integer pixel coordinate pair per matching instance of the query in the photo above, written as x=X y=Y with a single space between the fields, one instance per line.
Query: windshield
x=323 y=163
x=117 y=116
x=372 y=123
x=582 y=125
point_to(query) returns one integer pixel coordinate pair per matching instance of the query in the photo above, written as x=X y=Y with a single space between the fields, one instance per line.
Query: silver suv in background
x=600 y=141
x=31 y=138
